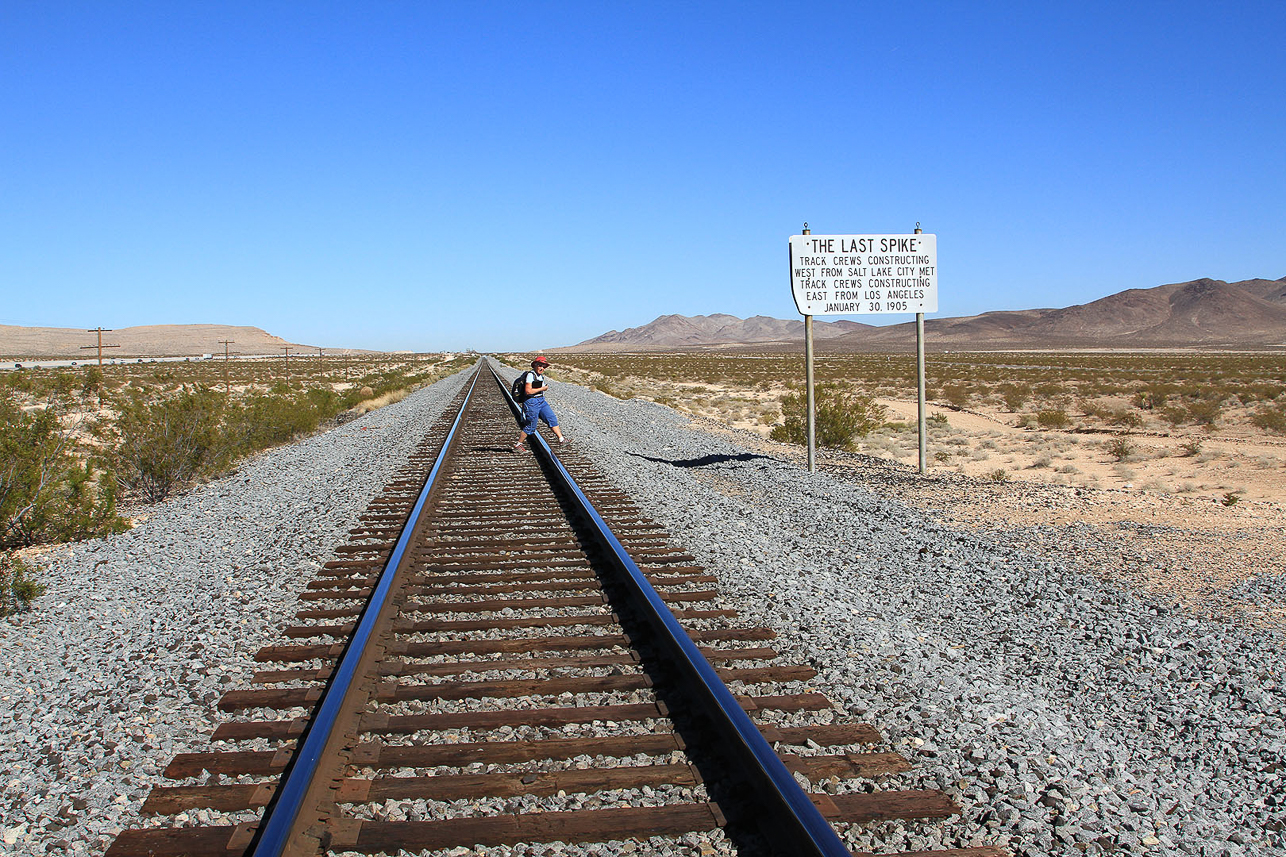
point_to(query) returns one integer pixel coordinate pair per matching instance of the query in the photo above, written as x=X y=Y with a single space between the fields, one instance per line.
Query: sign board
x=864 y=274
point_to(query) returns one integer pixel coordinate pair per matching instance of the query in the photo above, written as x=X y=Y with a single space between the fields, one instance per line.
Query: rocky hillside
x=157 y=340
x=1200 y=313
x=681 y=331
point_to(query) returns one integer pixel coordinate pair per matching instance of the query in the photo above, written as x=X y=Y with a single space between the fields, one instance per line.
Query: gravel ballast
x=122 y=661
x=1066 y=714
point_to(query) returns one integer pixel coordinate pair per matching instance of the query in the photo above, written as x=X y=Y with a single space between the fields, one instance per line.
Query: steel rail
x=796 y=825
x=278 y=821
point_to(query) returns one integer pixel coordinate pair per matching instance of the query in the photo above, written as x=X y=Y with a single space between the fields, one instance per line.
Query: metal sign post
x=919 y=375
x=812 y=408
x=864 y=275
x=811 y=418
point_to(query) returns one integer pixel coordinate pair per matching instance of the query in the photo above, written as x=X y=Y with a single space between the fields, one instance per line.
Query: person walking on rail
x=534 y=406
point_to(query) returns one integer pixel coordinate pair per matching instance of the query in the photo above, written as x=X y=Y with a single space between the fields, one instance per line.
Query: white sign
x=864 y=274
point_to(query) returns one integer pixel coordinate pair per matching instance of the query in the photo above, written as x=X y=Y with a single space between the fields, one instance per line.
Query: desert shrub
x=263 y=421
x=1120 y=448
x=19 y=380
x=91 y=384
x=1175 y=415
x=1190 y=447
x=1126 y=418
x=17 y=588
x=1090 y=408
x=607 y=388
x=164 y=443
x=1153 y=396
x=998 y=475
x=59 y=384
x=1261 y=391
x=46 y=494
x=1271 y=419
x=1204 y=412
x=841 y=416
x=1052 y=418
x=1015 y=395
x=956 y=395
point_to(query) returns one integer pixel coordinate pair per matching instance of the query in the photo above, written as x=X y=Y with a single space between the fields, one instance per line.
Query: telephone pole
x=100 y=331
x=286 y=348
x=227 y=387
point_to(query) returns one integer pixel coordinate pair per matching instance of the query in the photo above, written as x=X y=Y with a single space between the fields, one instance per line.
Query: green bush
x=263 y=421
x=1129 y=419
x=1204 y=412
x=169 y=441
x=1120 y=448
x=46 y=494
x=957 y=395
x=841 y=416
x=1052 y=418
x=1015 y=395
x=17 y=589
x=1271 y=419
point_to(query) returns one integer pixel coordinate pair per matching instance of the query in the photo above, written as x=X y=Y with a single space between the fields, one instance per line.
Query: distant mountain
x=681 y=331
x=1200 y=313
x=157 y=340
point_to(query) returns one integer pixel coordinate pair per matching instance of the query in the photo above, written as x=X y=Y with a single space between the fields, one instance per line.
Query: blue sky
x=428 y=176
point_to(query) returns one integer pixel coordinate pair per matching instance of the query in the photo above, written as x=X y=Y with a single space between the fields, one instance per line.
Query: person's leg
x=551 y=419
x=530 y=410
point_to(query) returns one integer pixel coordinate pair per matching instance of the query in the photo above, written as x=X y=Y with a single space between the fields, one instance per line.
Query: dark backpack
x=519 y=388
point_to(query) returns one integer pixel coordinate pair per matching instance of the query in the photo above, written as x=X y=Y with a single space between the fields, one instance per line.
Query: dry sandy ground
x=1192 y=462
x=1191 y=547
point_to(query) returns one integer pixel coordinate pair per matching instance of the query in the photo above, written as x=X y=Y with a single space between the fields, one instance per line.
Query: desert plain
x=1118 y=479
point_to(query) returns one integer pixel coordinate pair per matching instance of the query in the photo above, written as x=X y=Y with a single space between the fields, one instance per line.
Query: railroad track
x=509 y=652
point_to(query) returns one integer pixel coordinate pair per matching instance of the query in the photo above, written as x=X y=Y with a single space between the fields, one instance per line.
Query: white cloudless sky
x=432 y=175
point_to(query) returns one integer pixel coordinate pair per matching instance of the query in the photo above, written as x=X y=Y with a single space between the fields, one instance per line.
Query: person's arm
x=532 y=391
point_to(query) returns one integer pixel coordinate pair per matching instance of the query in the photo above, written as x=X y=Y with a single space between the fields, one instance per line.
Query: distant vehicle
x=17 y=365
x=140 y=360
x=73 y=362
x=207 y=356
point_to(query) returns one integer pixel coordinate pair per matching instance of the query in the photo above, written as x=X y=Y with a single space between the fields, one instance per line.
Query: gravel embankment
x=121 y=662
x=1066 y=714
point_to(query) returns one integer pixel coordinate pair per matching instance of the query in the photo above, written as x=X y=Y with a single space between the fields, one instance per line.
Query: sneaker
x=519 y=446
x=564 y=439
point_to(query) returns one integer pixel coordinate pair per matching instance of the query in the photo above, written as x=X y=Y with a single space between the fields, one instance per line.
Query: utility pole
x=287 y=350
x=100 y=331
x=319 y=362
x=227 y=387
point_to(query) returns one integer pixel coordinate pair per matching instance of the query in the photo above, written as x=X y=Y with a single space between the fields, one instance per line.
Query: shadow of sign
x=703 y=460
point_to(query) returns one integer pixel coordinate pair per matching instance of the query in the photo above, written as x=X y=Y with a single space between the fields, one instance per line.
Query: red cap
x=540 y=361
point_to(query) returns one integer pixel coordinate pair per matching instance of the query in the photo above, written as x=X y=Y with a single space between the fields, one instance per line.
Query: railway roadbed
x=1062 y=716
x=1069 y=714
